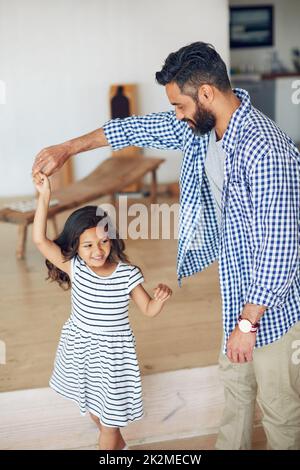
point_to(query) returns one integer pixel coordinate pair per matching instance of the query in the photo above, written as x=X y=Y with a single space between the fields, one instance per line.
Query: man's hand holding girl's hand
x=51 y=159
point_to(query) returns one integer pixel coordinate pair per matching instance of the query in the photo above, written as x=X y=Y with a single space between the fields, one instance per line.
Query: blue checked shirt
x=257 y=244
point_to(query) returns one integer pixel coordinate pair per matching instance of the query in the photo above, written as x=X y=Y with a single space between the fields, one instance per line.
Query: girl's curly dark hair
x=68 y=241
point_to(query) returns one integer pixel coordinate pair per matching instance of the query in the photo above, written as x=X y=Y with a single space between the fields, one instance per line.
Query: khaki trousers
x=273 y=379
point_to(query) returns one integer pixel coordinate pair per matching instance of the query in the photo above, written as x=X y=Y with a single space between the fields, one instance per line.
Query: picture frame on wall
x=251 y=26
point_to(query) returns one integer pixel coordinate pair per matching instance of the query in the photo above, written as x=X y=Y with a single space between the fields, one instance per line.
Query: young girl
x=96 y=363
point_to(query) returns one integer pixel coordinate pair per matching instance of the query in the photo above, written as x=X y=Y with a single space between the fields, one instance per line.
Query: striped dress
x=96 y=363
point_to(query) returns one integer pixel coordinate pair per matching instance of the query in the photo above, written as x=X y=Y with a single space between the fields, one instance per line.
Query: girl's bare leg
x=110 y=439
x=96 y=421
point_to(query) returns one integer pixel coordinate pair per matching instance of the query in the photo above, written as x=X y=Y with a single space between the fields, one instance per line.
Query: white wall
x=59 y=57
x=286 y=36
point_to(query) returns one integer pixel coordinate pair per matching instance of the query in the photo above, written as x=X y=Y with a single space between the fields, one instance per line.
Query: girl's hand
x=162 y=293
x=42 y=184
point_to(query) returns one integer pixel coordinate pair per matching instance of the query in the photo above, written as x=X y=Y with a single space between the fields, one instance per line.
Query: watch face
x=245 y=326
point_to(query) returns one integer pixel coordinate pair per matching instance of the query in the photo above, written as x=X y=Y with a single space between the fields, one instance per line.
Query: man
x=240 y=201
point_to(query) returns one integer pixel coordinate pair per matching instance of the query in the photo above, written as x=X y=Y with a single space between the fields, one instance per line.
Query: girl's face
x=94 y=247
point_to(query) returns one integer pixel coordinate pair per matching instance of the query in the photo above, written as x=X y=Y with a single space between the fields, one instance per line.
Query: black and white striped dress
x=96 y=363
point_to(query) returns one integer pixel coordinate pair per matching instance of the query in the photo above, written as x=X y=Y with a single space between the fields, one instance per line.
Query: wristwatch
x=246 y=326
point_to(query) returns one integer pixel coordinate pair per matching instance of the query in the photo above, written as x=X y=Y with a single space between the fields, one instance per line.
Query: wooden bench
x=109 y=178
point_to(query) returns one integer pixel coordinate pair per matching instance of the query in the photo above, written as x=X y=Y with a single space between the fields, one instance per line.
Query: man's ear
x=206 y=94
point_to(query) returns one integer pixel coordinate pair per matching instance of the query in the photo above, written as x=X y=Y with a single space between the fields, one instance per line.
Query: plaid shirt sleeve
x=156 y=130
x=276 y=195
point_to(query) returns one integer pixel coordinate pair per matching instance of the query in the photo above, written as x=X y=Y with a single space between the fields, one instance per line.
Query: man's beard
x=203 y=121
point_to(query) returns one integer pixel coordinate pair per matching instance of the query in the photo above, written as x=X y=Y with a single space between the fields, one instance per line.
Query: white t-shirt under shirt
x=214 y=168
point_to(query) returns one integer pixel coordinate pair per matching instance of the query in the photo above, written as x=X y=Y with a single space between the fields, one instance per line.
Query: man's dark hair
x=192 y=66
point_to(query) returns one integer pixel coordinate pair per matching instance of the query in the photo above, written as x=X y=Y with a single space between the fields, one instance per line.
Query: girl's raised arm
x=48 y=248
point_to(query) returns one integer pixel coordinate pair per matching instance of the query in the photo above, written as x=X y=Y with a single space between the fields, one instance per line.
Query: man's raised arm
x=51 y=159
x=156 y=130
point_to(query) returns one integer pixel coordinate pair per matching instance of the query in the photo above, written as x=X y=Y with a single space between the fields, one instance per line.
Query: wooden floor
x=187 y=334
x=182 y=411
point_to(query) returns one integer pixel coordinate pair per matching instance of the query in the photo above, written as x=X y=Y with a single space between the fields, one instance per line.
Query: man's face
x=196 y=115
